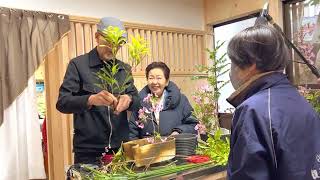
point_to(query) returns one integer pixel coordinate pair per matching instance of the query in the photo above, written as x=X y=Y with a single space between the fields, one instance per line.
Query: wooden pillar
x=276 y=11
x=58 y=125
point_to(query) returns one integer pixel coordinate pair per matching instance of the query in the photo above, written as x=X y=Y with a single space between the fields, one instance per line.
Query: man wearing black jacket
x=100 y=118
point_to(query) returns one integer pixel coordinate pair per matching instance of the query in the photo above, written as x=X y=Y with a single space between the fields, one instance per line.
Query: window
x=302 y=27
x=224 y=33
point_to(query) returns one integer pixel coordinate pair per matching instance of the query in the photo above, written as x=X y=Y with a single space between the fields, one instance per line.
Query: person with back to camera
x=275 y=131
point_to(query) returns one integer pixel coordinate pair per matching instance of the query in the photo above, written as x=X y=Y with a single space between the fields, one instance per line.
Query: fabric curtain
x=26 y=38
x=20 y=139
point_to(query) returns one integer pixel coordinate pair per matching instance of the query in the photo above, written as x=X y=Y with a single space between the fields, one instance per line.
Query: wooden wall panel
x=178 y=49
x=217 y=11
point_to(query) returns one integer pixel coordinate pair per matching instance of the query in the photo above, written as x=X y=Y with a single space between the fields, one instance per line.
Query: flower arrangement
x=118 y=167
x=87 y=172
x=147 y=114
x=206 y=97
x=206 y=108
x=155 y=148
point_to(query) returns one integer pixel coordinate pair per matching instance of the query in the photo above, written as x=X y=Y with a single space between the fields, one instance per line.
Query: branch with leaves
x=206 y=98
x=114 y=36
x=138 y=50
x=206 y=107
x=216 y=147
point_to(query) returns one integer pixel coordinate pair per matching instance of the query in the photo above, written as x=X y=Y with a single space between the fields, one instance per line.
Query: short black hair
x=160 y=65
x=260 y=44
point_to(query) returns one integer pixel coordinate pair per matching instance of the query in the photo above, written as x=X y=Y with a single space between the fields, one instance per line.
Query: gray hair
x=261 y=45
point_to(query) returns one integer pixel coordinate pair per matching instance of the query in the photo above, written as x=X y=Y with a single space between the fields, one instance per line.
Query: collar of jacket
x=172 y=98
x=94 y=59
x=255 y=84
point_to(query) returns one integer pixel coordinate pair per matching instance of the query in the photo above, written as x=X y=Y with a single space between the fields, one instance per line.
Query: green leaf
x=138 y=50
x=217 y=67
x=114 y=69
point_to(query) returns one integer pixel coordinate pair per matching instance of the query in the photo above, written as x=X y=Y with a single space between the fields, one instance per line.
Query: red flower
x=106 y=158
x=198 y=159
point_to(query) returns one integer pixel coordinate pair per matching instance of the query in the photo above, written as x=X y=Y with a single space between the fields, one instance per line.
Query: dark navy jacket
x=91 y=126
x=175 y=116
x=275 y=132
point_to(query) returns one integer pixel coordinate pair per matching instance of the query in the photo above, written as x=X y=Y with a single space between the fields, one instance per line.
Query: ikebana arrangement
x=152 y=149
x=215 y=145
x=136 y=154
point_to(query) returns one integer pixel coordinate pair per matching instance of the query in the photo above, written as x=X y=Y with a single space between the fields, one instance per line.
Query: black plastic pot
x=186 y=144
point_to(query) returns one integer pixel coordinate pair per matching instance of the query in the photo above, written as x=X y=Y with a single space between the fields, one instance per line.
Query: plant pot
x=186 y=144
x=204 y=137
x=143 y=153
x=225 y=120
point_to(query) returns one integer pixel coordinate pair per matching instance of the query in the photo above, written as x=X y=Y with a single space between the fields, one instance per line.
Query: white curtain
x=20 y=138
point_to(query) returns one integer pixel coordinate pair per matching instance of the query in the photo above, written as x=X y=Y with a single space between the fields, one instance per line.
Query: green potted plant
x=206 y=108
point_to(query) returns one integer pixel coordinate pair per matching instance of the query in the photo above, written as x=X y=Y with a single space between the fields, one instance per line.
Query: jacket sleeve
x=133 y=92
x=249 y=155
x=188 y=121
x=68 y=101
x=134 y=130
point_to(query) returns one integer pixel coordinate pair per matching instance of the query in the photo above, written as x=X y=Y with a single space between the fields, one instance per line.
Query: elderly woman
x=164 y=108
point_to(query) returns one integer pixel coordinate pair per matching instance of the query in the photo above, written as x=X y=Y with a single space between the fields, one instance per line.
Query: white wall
x=224 y=34
x=173 y=13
